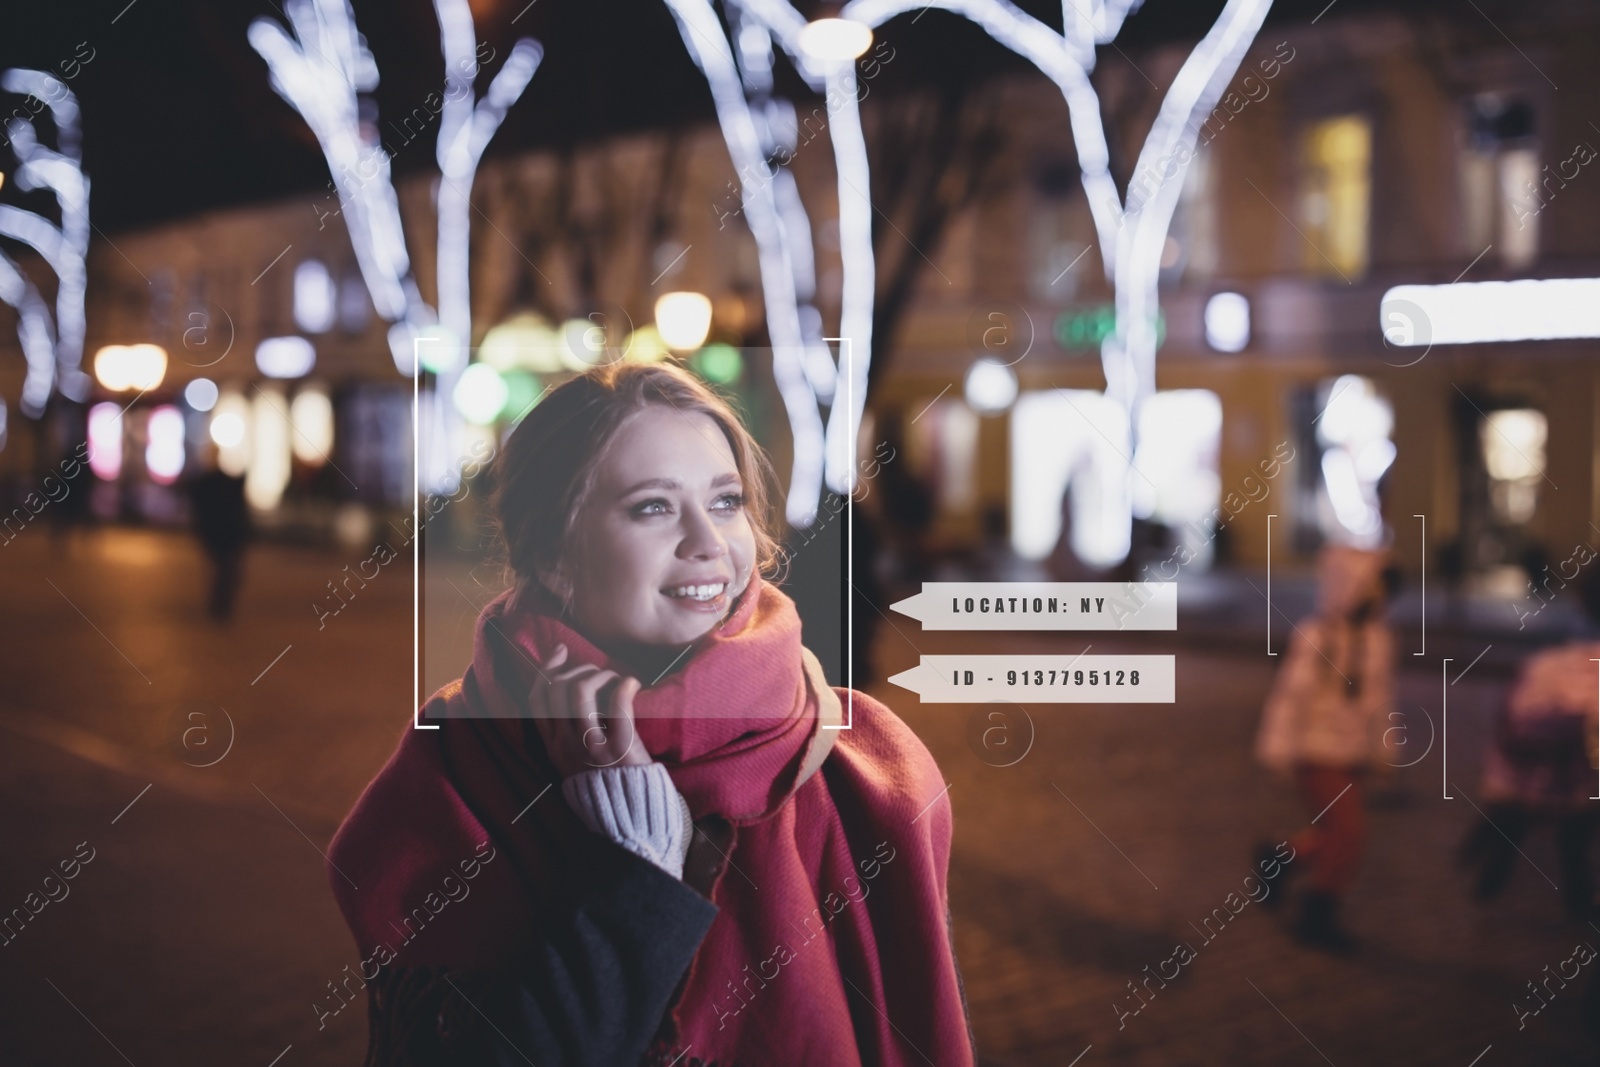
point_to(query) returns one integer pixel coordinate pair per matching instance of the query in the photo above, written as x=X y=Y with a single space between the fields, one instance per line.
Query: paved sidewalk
x=203 y=931
x=1121 y=829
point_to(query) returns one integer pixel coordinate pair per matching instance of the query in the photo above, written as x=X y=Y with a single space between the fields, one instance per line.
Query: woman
x=1322 y=724
x=720 y=878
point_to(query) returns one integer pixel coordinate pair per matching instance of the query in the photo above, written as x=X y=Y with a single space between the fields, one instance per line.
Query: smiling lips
x=706 y=596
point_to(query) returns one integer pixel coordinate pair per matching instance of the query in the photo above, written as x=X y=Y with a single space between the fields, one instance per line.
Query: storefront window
x=1513 y=443
x=1499 y=179
x=1335 y=195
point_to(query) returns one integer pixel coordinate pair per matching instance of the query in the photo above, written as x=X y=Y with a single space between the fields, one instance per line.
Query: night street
x=1183 y=417
x=203 y=931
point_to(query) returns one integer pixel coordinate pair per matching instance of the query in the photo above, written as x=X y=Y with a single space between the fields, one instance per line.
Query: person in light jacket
x=1323 y=724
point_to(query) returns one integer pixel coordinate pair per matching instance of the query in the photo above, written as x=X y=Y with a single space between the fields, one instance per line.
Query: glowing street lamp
x=123 y=367
x=835 y=40
x=111 y=367
x=684 y=320
x=524 y=341
x=991 y=387
x=285 y=357
x=1228 y=322
x=480 y=394
x=201 y=394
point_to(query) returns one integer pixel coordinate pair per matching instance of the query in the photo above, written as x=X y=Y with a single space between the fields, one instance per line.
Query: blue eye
x=731 y=501
x=648 y=507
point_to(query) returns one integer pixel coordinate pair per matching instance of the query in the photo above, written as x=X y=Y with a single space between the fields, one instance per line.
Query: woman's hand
x=585 y=716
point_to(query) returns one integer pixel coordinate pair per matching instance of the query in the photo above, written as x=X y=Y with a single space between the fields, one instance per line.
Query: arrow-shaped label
x=1042 y=679
x=1044 y=606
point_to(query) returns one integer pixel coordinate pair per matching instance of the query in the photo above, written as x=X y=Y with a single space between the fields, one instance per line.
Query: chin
x=683 y=635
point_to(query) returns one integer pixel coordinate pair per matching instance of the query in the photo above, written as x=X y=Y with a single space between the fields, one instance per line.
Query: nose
x=701 y=540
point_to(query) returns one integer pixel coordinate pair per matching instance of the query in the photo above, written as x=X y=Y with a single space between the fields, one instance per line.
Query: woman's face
x=663 y=545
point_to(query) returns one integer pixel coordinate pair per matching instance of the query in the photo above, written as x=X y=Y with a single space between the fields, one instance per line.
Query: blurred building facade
x=1349 y=157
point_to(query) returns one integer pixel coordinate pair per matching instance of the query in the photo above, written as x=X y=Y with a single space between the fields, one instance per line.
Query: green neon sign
x=1088 y=328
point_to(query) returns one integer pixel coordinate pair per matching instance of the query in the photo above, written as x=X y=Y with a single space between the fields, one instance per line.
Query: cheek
x=628 y=564
x=605 y=568
x=742 y=547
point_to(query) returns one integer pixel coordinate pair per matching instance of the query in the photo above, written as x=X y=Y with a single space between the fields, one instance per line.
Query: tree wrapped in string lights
x=53 y=347
x=321 y=65
x=1131 y=227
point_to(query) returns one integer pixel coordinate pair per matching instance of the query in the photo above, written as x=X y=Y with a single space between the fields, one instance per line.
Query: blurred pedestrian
x=1322 y=724
x=1540 y=767
x=221 y=520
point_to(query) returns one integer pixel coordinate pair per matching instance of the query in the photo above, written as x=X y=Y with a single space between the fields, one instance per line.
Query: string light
x=323 y=69
x=54 y=350
x=835 y=40
x=703 y=36
x=683 y=320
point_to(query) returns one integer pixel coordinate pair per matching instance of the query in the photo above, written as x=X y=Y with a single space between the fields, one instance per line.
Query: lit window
x=1513 y=443
x=285 y=357
x=1518 y=171
x=105 y=441
x=163 y=453
x=230 y=429
x=1500 y=196
x=1335 y=195
x=316 y=299
x=311 y=416
x=268 y=474
x=1353 y=430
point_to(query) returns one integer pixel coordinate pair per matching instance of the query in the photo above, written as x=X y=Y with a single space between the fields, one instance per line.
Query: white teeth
x=699 y=592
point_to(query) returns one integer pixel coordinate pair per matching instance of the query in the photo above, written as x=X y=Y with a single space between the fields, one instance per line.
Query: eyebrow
x=673 y=483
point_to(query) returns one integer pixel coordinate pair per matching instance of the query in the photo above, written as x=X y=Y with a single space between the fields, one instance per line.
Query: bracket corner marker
x=1424 y=651
x=416 y=543
x=1444 y=728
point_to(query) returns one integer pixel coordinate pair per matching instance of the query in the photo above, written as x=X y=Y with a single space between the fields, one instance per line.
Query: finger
x=577 y=670
x=619 y=706
x=624 y=733
x=584 y=694
x=564 y=700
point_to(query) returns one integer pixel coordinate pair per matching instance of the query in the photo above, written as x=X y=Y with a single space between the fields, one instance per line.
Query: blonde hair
x=546 y=471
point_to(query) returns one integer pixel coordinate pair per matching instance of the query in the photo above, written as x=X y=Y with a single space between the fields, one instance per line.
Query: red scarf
x=831 y=943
